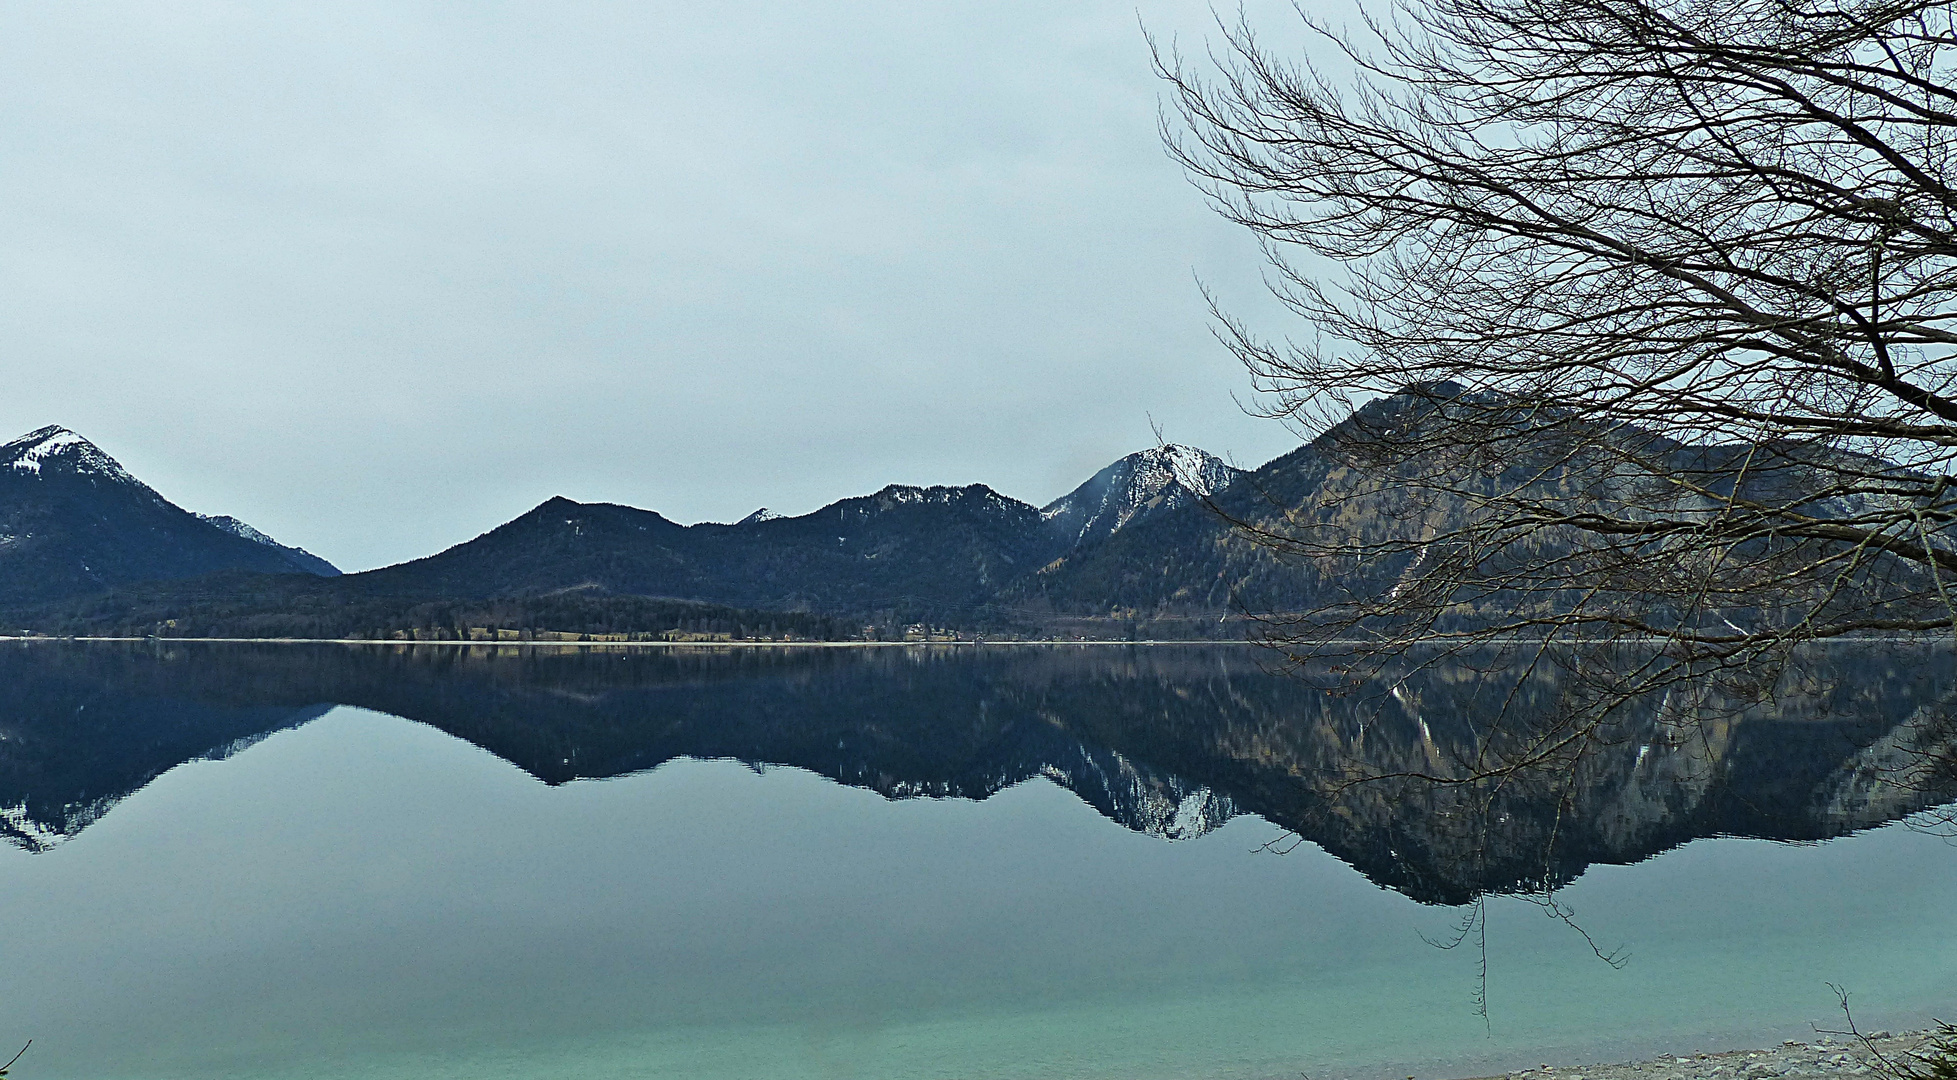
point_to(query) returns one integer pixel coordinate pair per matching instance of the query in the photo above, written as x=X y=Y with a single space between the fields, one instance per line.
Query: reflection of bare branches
x=1284 y=843
x=1474 y=921
x=1563 y=913
x=16 y=1057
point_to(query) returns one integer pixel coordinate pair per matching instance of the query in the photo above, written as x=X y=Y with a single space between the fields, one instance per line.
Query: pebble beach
x=1825 y=1056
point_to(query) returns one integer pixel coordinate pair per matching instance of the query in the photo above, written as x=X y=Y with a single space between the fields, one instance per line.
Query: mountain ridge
x=905 y=554
x=1150 y=545
x=1154 y=544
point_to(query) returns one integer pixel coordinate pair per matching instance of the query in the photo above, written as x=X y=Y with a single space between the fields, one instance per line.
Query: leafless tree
x=1646 y=308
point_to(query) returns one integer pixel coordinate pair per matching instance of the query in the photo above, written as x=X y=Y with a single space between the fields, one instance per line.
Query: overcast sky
x=378 y=277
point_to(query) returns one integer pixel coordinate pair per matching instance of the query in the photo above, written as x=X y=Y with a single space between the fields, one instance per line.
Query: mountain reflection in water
x=1167 y=740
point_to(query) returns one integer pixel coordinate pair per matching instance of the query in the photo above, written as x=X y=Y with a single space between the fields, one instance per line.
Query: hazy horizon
x=377 y=278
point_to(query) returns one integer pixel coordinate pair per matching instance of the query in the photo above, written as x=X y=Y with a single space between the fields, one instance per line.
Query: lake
x=314 y=861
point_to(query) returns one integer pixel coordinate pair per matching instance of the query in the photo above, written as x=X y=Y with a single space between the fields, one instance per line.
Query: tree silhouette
x=1645 y=307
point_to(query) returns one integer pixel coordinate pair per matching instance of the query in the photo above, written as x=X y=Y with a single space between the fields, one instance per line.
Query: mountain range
x=87 y=545
x=1154 y=545
x=928 y=554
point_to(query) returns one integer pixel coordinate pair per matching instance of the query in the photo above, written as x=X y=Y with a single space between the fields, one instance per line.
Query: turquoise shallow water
x=367 y=897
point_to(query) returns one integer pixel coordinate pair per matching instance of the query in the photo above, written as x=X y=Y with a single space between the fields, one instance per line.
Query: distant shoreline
x=1892 y=639
x=744 y=643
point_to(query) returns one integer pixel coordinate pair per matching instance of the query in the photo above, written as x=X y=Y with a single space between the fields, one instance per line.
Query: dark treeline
x=261 y=607
x=249 y=605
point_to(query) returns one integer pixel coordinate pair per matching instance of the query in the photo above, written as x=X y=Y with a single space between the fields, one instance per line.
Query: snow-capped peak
x=1201 y=472
x=54 y=443
x=27 y=452
x=759 y=516
x=1143 y=483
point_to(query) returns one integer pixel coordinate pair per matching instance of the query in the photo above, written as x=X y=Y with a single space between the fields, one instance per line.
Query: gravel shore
x=1826 y=1056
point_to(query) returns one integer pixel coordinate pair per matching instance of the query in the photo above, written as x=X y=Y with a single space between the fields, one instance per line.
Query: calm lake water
x=365 y=862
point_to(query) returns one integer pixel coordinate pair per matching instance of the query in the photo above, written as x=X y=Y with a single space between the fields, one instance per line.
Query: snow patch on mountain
x=976 y=496
x=936 y=495
x=1200 y=471
x=306 y=560
x=1139 y=485
x=53 y=444
x=45 y=442
x=239 y=529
